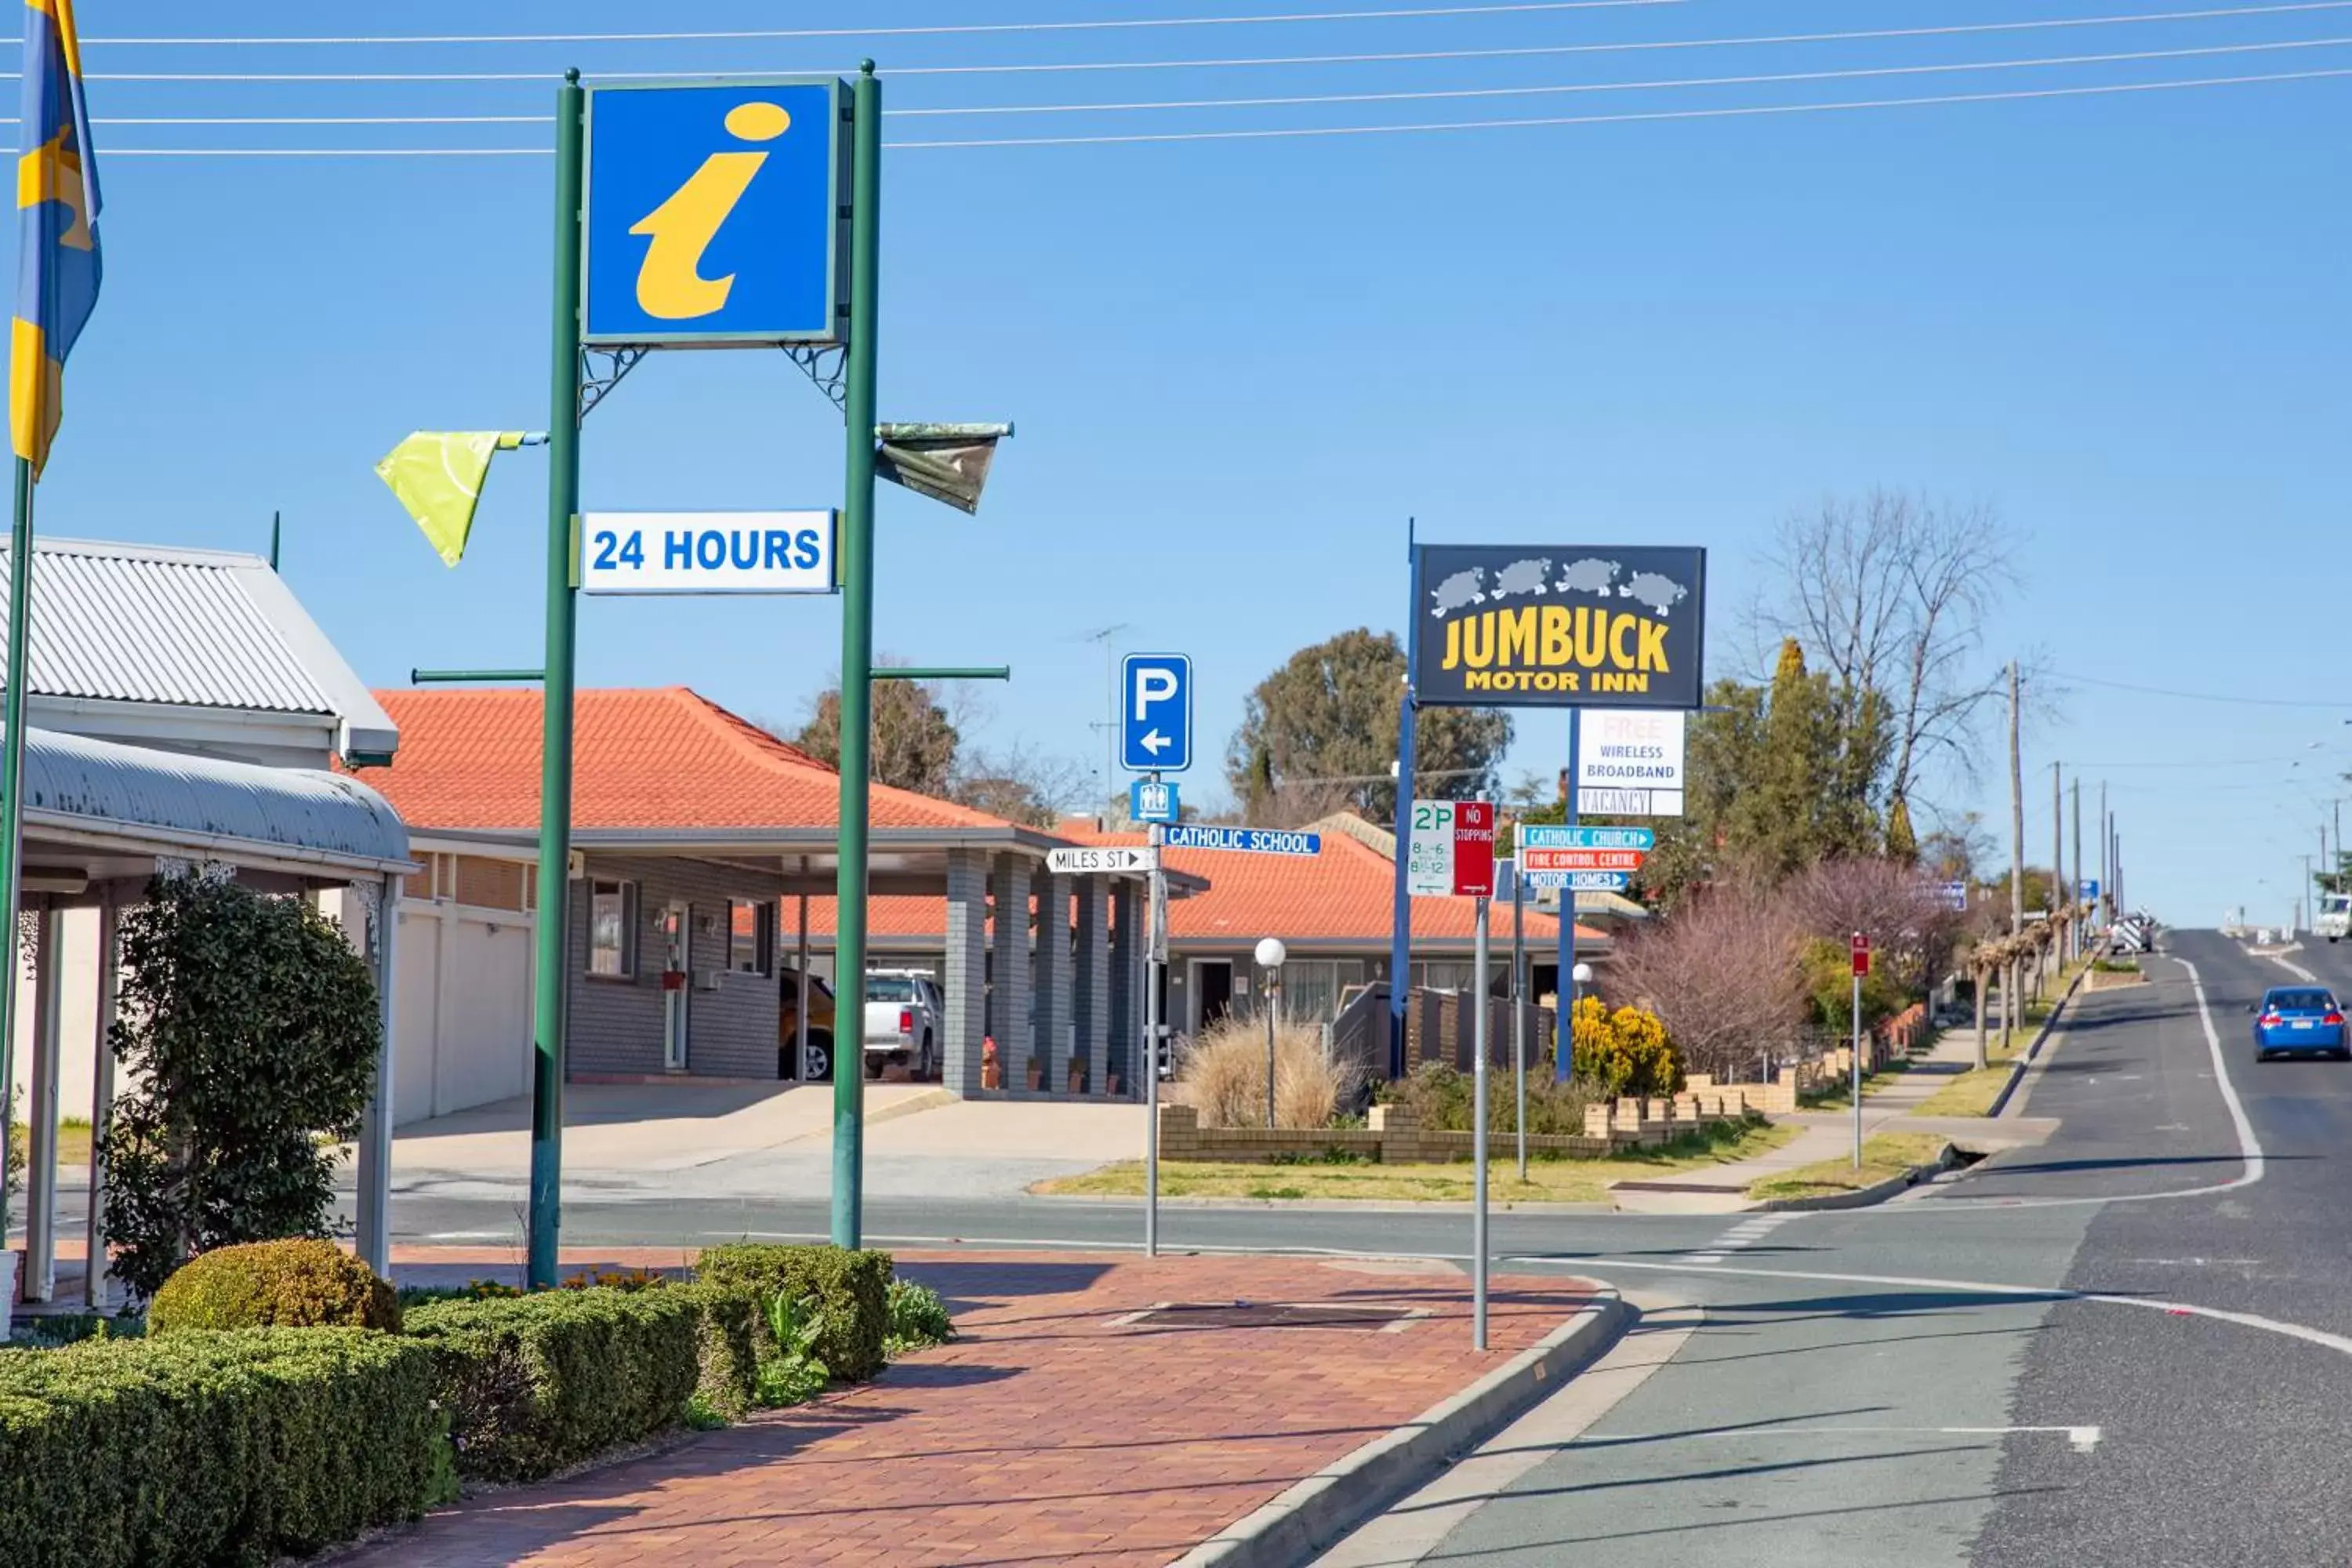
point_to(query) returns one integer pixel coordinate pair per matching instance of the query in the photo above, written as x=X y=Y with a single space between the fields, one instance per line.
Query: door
x=1213 y=992
x=678 y=980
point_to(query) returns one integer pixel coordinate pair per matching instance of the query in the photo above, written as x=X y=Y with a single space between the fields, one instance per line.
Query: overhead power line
x=1298 y=132
x=1310 y=99
x=1081 y=25
x=2231 y=697
x=1871 y=34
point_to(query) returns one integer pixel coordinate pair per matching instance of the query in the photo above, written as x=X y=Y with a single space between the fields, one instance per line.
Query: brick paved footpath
x=1050 y=1432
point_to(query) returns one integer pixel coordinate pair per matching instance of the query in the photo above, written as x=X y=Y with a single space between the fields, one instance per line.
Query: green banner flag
x=438 y=475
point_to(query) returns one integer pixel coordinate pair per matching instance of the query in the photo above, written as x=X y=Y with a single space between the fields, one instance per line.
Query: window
x=889 y=988
x=613 y=929
x=750 y=936
x=1311 y=987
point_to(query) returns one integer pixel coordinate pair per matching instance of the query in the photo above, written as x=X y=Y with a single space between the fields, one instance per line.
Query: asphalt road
x=2026 y=1366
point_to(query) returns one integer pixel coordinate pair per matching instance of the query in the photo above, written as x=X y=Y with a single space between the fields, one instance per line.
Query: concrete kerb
x=1324 y=1507
x=2032 y=1052
x=1864 y=1198
x=1329 y=1205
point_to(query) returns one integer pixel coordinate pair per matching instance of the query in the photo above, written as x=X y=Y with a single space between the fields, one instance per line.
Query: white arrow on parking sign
x=1155 y=742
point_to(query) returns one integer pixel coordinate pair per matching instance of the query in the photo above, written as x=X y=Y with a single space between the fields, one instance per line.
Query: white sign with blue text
x=1581 y=882
x=707 y=552
x=1155 y=713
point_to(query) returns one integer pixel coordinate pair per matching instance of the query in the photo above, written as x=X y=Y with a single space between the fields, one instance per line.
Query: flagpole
x=12 y=773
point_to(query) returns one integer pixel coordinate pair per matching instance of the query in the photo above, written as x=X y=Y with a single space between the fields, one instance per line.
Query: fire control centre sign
x=1558 y=626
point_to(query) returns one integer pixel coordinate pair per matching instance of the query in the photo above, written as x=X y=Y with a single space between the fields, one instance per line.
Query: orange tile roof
x=655 y=758
x=1342 y=895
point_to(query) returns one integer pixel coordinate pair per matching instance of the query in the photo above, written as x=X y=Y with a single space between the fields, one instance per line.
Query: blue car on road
x=2299 y=1020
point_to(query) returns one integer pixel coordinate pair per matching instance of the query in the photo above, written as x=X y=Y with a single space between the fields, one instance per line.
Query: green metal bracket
x=444 y=677
x=944 y=672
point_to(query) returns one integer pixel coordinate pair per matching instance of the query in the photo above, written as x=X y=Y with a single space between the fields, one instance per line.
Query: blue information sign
x=713 y=214
x=1155 y=712
x=1254 y=840
x=1151 y=800
x=1581 y=882
x=1550 y=836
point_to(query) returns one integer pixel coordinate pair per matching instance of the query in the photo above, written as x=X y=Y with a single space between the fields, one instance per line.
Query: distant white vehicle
x=902 y=1021
x=2335 y=922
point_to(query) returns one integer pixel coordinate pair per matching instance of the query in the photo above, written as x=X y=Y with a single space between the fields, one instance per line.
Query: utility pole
x=2076 y=925
x=2300 y=923
x=2106 y=851
x=2009 y=1009
x=2060 y=896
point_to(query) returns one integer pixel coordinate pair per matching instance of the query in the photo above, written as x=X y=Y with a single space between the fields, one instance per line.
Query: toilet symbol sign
x=1155 y=720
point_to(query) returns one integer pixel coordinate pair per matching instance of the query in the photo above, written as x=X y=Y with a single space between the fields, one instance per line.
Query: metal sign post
x=1519 y=1002
x=1478 y=1136
x=1861 y=949
x=1155 y=980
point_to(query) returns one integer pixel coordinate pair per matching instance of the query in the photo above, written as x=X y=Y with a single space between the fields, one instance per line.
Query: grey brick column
x=966 y=971
x=1126 y=986
x=1053 y=984
x=1091 y=982
x=1008 y=1012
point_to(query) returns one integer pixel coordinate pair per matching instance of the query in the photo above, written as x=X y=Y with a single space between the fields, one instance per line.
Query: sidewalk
x=1828 y=1135
x=1057 y=1428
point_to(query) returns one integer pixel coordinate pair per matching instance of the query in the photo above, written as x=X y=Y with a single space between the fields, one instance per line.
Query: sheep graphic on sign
x=1661 y=594
x=1458 y=592
x=1589 y=576
x=1524 y=577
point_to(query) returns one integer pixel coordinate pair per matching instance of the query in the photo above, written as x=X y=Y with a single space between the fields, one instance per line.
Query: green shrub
x=205 y=1448
x=247 y=1033
x=918 y=1317
x=852 y=1291
x=792 y=1373
x=533 y=1383
x=1439 y=1097
x=728 y=1332
x=274 y=1284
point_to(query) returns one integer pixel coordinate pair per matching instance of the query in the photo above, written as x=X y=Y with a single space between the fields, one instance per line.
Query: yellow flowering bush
x=1623 y=1050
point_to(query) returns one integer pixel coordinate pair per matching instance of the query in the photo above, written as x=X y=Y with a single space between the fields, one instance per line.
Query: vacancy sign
x=1474 y=849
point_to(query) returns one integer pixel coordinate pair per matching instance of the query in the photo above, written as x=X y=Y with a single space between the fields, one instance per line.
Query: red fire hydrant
x=991 y=1076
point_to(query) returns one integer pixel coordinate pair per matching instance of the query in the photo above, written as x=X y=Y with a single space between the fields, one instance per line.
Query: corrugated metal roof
x=139 y=624
x=76 y=781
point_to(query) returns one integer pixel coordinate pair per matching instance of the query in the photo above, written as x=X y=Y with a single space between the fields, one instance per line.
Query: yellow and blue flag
x=57 y=206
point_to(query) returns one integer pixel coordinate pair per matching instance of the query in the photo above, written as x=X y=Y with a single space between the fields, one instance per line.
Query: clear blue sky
x=1238 y=365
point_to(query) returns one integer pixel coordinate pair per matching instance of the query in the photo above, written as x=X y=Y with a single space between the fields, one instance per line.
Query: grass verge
x=1567 y=1181
x=73 y=1139
x=1884 y=1157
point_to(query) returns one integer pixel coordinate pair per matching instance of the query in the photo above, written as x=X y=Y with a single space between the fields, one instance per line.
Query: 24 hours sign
x=1560 y=625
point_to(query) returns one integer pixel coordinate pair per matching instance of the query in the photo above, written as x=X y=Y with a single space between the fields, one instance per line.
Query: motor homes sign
x=1558 y=626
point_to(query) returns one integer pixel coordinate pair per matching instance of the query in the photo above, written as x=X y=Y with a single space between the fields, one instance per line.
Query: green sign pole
x=856 y=654
x=12 y=776
x=555 y=761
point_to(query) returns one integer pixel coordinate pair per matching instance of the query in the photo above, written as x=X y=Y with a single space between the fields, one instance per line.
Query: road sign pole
x=1563 y=1044
x=857 y=650
x=1154 y=980
x=1861 y=961
x=1519 y=989
x=1478 y=1117
x=1401 y=908
x=553 y=904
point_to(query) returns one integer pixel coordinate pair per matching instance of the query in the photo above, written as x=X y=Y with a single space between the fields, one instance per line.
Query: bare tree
x=1723 y=976
x=1021 y=783
x=1888 y=594
x=1906 y=917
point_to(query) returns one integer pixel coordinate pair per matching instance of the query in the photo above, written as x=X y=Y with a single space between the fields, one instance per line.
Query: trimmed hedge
x=728 y=1330
x=204 y=1449
x=274 y=1284
x=851 y=1290
x=533 y=1383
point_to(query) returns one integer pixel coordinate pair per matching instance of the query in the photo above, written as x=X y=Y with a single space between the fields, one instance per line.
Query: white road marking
x=2051 y=1293
x=2082 y=1439
x=1747 y=1233
x=2297 y=970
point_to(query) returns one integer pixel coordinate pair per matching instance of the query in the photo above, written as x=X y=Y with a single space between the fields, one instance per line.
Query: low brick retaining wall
x=1392 y=1135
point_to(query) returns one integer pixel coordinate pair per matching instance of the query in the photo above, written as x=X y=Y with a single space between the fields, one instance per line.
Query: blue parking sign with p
x=713 y=214
x=1155 y=720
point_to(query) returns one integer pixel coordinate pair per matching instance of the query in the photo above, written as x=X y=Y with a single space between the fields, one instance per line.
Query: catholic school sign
x=1558 y=626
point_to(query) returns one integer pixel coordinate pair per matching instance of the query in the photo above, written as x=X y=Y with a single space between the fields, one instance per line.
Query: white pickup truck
x=2335 y=922
x=902 y=1021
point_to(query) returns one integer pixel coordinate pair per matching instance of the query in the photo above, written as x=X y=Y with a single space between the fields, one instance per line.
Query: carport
x=102 y=820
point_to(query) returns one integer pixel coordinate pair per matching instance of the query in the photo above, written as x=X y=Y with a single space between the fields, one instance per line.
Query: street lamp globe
x=1271 y=952
x=1581 y=974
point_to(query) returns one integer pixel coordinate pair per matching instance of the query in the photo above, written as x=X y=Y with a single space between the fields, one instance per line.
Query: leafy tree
x=250 y=1030
x=1321 y=734
x=915 y=741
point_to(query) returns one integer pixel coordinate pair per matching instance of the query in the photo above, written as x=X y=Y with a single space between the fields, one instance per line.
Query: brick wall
x=616 y=1025
x=1392 y=1136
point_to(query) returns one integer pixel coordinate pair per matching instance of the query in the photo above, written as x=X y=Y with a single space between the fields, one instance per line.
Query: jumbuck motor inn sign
x=1558 y=626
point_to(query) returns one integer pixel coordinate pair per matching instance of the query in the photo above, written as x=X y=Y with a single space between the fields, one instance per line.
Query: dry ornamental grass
x=1222 y=1074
